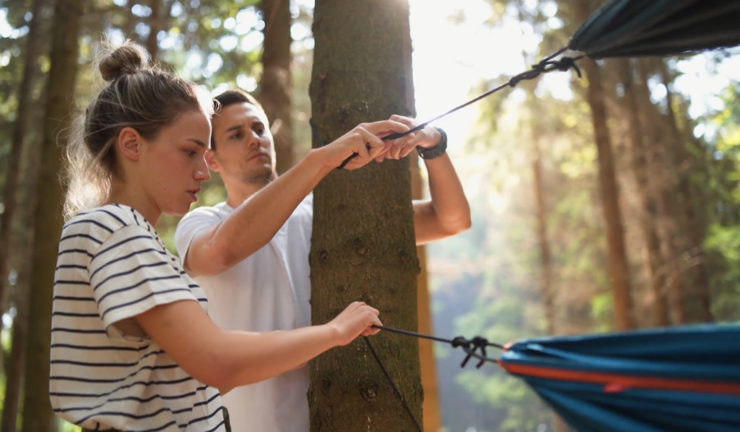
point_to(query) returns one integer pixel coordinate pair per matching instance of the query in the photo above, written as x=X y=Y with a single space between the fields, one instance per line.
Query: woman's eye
x=191 y=153
x=259 y=131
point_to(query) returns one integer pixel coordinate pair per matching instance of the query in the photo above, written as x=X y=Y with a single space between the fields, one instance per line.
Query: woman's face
x=173 y=165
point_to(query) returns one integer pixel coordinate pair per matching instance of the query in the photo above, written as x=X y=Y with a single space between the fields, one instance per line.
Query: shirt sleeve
x=131 y=273
x=190 y=225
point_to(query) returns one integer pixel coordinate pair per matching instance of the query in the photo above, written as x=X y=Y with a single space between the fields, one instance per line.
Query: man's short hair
x=230 y=97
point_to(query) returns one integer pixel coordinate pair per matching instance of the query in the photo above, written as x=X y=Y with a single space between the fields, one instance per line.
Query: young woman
x=132 y=346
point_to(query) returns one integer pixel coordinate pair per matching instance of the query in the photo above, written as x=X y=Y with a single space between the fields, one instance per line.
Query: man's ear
x=212 y=161
x=130 y=143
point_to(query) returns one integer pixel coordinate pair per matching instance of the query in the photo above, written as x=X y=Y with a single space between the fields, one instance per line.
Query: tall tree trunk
x=546 y=273
x=548 y=296
x=275 y=85
x=664 y=174
x=682 y=166
x=155 y=26
x=38 y=415
x=129 y=22
x=24 y=262
x=645 y=190
x=14 y=160
x=619 y=275
x=432 y=420
x=363 y=244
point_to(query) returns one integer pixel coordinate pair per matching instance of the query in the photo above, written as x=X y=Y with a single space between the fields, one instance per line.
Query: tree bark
x=155 y=25
x=24 y=262
x=16 y=151
x=275 y=84
x=38 y=415
x=548 y=296
x=619 y=275
x=645 y=191
x=363 y=244
x=664 y=173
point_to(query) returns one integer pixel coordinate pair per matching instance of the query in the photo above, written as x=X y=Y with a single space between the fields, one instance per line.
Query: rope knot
x=460 y=342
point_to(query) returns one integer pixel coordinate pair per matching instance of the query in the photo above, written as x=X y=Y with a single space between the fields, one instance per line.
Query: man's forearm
x=253 y=223
x=448 y=212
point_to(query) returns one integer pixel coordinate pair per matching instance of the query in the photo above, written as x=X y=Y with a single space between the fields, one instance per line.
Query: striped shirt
x=105 y=371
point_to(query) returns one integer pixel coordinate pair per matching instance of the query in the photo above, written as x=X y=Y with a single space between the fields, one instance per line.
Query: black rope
x=395 y=389
x=469 y=346
x=544 y=66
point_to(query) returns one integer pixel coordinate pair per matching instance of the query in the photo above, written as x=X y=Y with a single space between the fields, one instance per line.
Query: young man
x=250 y=253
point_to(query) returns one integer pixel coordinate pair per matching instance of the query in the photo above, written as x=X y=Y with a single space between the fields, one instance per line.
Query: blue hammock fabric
x=683 y=379
x=635 y=28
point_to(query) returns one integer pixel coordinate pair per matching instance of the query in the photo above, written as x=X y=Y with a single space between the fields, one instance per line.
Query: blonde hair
x=135 y=94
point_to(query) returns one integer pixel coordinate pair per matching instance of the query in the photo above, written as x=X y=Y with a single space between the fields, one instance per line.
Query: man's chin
x=261 y=177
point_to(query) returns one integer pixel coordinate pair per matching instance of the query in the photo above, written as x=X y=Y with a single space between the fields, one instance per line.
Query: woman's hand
x=363 y=140
x=425 y=138
x=357 y=319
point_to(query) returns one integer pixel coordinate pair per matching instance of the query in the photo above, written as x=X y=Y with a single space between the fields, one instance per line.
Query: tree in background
x=363 y=235
x=38 y=415
x=275 y=84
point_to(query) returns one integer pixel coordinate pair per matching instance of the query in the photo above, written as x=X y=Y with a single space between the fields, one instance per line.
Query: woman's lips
x=193 y=193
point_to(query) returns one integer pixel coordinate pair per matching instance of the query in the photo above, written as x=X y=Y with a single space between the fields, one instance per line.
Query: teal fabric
x=635 y=28
x=709 y=354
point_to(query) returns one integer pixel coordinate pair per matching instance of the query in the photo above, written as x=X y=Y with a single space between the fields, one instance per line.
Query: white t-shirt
x=105 y=371
x=269 y=290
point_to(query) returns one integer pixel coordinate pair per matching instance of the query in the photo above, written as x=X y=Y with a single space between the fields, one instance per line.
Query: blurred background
x=535 y=261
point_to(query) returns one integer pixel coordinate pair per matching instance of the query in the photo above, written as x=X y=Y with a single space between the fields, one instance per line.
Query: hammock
x=682 y=379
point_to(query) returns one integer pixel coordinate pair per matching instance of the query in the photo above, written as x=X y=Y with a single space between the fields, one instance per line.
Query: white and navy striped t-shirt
x=105 y=371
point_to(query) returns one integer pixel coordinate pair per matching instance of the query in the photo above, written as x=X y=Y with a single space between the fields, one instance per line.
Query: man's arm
x=250 y=226
x=448 y=212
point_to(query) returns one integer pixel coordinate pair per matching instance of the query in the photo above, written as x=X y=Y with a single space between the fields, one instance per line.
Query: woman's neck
x=135 y=198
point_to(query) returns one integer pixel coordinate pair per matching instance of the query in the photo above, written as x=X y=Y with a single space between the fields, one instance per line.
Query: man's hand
x=425 y=138
x=365 y=141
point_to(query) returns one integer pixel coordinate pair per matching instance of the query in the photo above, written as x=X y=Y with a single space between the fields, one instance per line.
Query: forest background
x=537 y=259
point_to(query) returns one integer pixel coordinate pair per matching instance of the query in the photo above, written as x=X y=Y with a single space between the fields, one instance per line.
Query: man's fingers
x=385 y=125
x=376 y=144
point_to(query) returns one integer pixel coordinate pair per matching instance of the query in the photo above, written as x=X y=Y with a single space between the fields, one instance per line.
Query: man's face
x=244 y=148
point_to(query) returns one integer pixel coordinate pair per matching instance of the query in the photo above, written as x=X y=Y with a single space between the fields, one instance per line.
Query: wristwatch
x=436 y=151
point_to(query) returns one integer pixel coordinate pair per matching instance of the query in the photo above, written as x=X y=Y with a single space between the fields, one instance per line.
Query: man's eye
x=237 y=135
x=259 y=131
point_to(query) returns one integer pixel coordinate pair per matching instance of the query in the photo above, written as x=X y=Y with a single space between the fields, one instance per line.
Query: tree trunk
x=432 y=421
x=129 y=23
x=682 y=166
x=645 y=191
x=275 y=85
x=38 y=415
x=363 y=235
x=548 y=296
x=619 y=276
x=155 y=25
x=664 y=174
x=16 y=151
x=24 y=262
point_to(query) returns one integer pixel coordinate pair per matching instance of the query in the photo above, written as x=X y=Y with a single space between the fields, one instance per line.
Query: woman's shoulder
x=102 y=222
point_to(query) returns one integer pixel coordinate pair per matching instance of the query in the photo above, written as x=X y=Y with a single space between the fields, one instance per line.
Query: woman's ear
x=130 y=143
x=212 y=161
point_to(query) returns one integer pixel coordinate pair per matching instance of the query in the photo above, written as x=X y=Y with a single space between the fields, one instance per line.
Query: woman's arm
x=228 y=359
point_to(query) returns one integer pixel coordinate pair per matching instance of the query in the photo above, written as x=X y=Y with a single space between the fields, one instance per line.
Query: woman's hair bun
x=126 y=59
